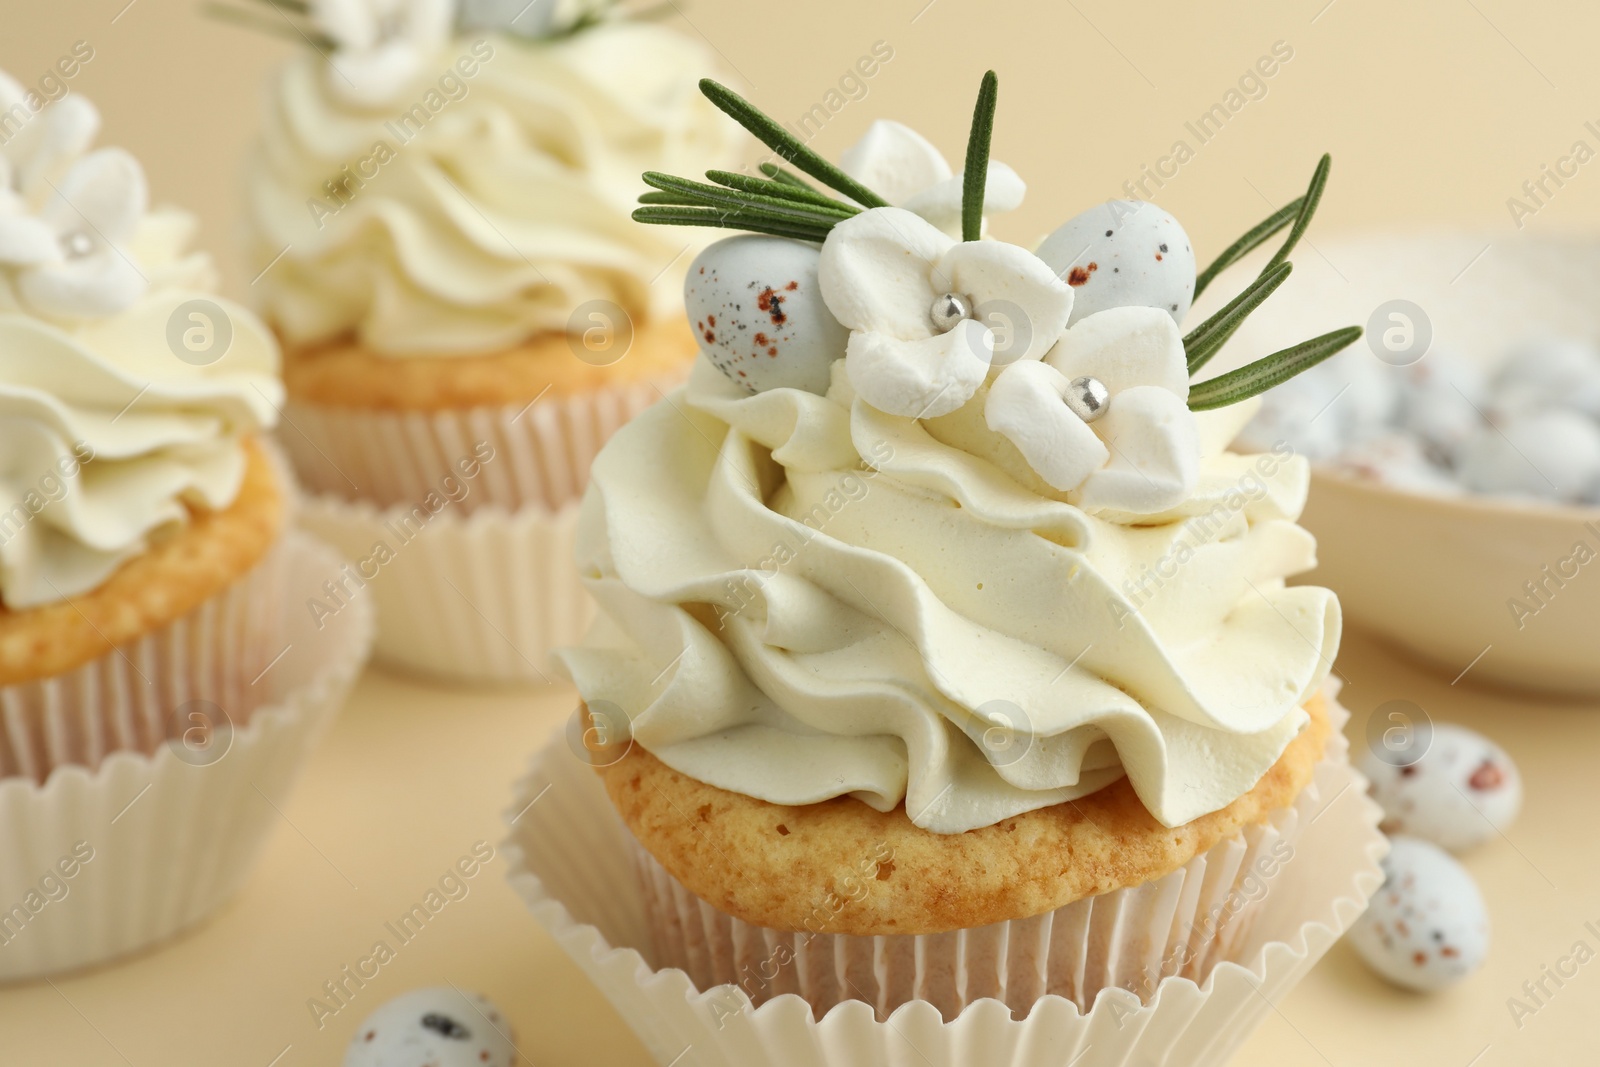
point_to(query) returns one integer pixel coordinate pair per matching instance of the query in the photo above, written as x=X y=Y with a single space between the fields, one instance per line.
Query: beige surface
x=1435 y=111
x=411 y=777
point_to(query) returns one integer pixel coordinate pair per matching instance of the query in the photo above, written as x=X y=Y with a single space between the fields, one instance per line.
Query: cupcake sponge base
x=767 y=864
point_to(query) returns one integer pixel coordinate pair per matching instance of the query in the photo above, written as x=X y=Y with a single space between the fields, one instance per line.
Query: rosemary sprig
x=1206 y=339
x=1268 y=372
x=750 y=203
x=272 y=26
x=803 y=194
x=1308 y=207
x=1297 y=211
x=1255 y=238
x=787 y=177
x=977 y=170
x=673 y=215
x=786 y=144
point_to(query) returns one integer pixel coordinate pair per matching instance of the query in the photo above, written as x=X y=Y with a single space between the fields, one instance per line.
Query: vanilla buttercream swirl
x=804 y=597
x=488 y=203
x=108 y=435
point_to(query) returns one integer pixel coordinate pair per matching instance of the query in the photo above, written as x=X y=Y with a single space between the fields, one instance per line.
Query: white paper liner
x=467 y=598
x=542 y=451
x=571 y=859
x=171 y=838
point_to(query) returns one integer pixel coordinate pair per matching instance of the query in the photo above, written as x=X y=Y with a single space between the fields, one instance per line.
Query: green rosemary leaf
x=1208 y=337
x=718 y=196
x=1308 y=207
x=786 y=145
x=1270 y=371
x=659 y=196
x=272 y=27
x=662 y=215
x=787 y=177
x=1256 y=237
x=802 y=194
x=977 y=172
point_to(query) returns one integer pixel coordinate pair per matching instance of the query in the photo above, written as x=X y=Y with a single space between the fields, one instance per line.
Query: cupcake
x=158 y=676
x=439 y=214
x=946 y=687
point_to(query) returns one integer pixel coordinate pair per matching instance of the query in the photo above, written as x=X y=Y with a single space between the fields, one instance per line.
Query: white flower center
x=1088 y=398
x=948 y=311
x=76 y=244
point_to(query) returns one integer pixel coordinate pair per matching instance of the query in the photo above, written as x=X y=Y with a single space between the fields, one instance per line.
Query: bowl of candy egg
x=1455 y=449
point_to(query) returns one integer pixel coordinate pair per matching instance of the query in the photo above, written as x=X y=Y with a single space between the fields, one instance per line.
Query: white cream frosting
x=107 y=436
x=506 y=212
x=805 y=597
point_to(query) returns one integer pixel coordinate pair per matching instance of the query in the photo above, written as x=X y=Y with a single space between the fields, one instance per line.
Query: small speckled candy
x=1427 y=927
x=1462 y=790
x=1553 y=372
x=1549 y=453
x=755 y=305
x=1124 y=253
x=433 y=1028
x=1398 y=460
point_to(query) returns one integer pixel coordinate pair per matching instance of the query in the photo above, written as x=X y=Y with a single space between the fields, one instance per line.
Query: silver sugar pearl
x=948 y=311
x=1087 y=397
x=77 y=244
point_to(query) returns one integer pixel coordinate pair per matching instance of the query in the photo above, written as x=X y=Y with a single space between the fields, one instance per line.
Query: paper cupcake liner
x=572 y=860
x=475 y=598
x=541 y=451
x=126 y=819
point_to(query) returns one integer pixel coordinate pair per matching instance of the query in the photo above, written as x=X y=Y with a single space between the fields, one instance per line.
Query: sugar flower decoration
x=65 y=211
x=1141 y=455
x=918 y=305
x=380 y=46
x=908 y=171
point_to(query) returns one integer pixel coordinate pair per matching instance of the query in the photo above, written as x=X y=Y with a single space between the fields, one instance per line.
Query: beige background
x=1436 y=113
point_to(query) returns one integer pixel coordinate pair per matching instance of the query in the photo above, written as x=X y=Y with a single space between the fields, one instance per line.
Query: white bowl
x=1439 y=575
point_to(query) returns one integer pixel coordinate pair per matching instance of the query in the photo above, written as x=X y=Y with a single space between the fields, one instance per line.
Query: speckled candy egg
x=1427 y=927
x=1459 y=794
x=1398 y=460
x=1441 y=403
x=755 y=305
x=1124 y=253
x=433 y=1028
x=1550 y=373
x=1550 y=453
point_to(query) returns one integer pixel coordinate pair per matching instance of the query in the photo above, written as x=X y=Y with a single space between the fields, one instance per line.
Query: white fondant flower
x=63 y=214
x=1142 y=456
x=904 y=168
x=381 y=44
x=538 y=18
x=880 y=275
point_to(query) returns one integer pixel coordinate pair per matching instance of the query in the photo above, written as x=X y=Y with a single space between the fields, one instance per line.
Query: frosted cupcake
x=151 y=668
x=946 y=668
x=439 y=212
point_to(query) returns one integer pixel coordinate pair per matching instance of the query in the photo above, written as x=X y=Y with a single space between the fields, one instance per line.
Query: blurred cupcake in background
x=151 y=671
x=439 y=212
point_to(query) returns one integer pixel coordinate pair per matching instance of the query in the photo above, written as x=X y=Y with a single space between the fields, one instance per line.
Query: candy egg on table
x=1558 y=372
x=438 y=1027
x=1123 y=253
x=1550 y=453
x=1399 y=460
x=1441 y=402
x=1461 y=792
x=755 y=306
x=1427 y=926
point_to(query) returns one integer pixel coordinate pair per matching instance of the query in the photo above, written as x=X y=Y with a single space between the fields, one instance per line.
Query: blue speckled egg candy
x=756 y=308
x=438 y=1027
x=1123 y=253
x=1427 y=927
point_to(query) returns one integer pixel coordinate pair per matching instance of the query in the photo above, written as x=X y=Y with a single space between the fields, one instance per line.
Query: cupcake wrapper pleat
x=471 y=598
x=102 y=763
x=542 y=451
x=1138 y=976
